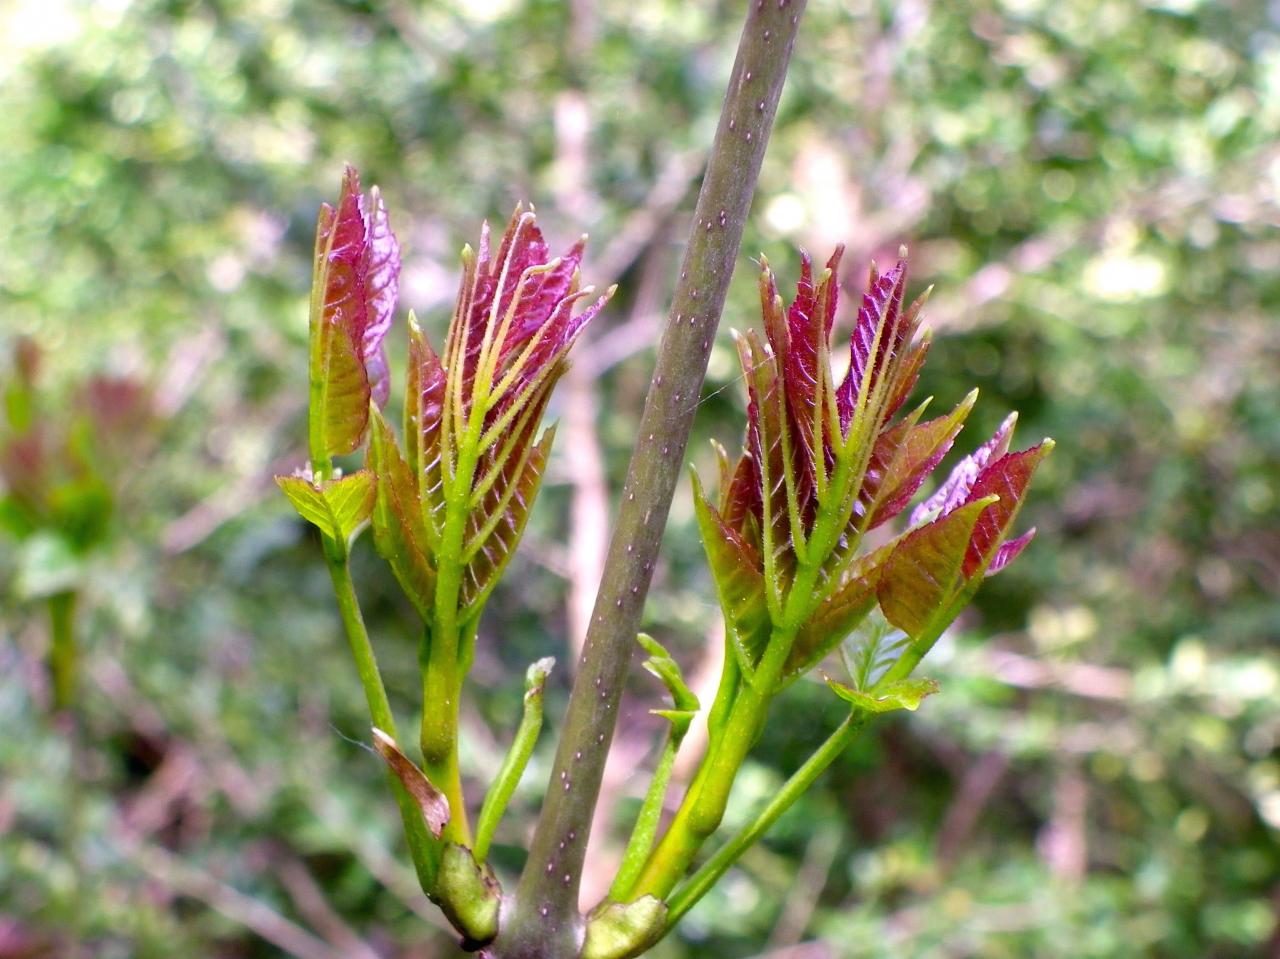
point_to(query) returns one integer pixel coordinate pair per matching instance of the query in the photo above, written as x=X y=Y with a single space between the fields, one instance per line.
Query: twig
x=802 y=901
x=314 y=907
x=976 y=790
x=255 y=916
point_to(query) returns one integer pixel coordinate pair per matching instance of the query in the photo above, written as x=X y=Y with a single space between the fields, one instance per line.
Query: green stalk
x=441 y=677
x=495 y=803
x=704 y=804
x=545 y=923
x=646 y=827
x=423 y=849
x=63 y=656
x=701 y=881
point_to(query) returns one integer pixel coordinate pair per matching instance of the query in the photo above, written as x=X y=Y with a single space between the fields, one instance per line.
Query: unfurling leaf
x=432 y=802
x=338 y=507
x=685 y=704
x=399 y=532
x=735 y=567
x=1008 y=478
x=923 y=575
x=872 y=649
x=904 y=694
x=355 y=283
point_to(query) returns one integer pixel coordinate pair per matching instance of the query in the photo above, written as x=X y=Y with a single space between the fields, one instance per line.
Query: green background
x=1093 y=186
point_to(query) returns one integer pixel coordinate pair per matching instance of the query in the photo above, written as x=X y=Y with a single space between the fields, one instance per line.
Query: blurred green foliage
x=1092 y=185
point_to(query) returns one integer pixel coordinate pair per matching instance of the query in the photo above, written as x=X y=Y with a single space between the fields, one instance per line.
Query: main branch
x=544 y=922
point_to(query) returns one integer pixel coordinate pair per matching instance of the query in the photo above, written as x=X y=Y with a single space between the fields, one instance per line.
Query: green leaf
x=339 y=508
x=399 y=532
x=922 y=576
x=735 y=567
x=904 y=694
x=873 y=647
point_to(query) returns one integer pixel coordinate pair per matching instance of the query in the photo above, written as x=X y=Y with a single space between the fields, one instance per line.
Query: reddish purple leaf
x=1008 y=478
x=495 y=527
x=955 y=489
x=878 y=337
x=901 y=460
x=355 y=285
x=1008 y=551
x=423 y=413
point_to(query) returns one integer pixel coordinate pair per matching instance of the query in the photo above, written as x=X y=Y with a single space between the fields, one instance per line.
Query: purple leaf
x=1008 y=478
x=355 y=285
x=955 y=489
x=1008 y=551
x=901 y=460
x=877 y=340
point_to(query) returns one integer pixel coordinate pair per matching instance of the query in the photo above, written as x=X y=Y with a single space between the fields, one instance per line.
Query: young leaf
x=903 y=694
x=355 y=283
x=901 y=460
x=340 y=507
x=1007 y=478
x=877 y=340
x=836 y=616
x=399 y=534
x=1008 y=551
x=736 y=569
x=685 y=704
x=494 y=527
x=872 y=649
x=923 y=574
x=955 y=489
x=423 y=413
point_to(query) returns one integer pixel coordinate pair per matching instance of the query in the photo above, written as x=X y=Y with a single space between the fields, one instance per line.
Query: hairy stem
x=546 y=921
x=424 y=851
x=701 y=881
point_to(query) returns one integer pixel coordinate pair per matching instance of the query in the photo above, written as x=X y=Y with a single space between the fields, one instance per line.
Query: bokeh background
x=1092 y=185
